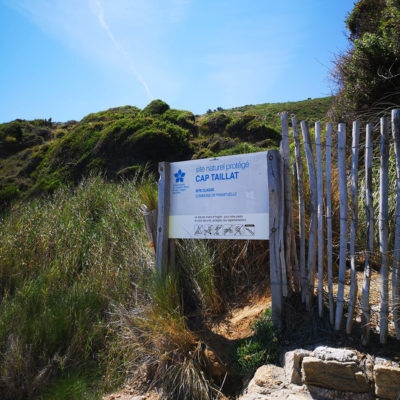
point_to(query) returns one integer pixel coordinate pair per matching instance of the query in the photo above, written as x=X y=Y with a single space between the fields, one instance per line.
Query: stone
x=387 y=382
x=331 y=353
x=267 y=377
x=292 y=392
x=292 y=365
x=329 y=394
x=343 y=376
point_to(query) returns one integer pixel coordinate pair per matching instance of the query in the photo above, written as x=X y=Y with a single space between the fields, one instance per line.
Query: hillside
x=40 y=156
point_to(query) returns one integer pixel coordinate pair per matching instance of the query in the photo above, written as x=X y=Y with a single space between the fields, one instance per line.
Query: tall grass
x=62 y=261
x=82 y=307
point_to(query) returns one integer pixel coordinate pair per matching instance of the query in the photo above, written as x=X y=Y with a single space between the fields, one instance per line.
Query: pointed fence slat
x=396 y=261
x=320 y=212
x=328 y=156
x=312 y=235
x=369 y=215
x=302 y=211
x=353 y=224
x=274 y=193
x=383 y=229
x=292 y=267
x=282 y=227
x=343 y=223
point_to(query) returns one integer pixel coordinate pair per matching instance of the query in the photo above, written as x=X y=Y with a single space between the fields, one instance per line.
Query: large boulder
x=332 y=374
x=387 y=381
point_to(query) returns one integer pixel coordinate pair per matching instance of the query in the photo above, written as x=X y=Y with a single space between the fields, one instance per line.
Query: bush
x=156 y=107
x=8 y=193
x=263 y=347
x=214 y=124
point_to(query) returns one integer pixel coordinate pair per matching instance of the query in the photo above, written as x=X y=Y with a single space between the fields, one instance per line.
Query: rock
x=267 y=377
x=331 y=353
x=343 y=376
x=387 y=382
x=329 y=394
x=369 y=368
x=293 y=392
x=292 y=364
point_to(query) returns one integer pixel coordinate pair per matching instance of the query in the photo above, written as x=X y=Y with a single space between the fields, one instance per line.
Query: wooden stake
x=320 y=212
x=290 y=248
x=396 y=261
x=369 y=213
x=343 y=223
x=311 y=258
x=302 y=211
x=163 y=216
x=383 y=229
x=353 y=224
x=274 y=193
x=282 y=215
x=328 y=156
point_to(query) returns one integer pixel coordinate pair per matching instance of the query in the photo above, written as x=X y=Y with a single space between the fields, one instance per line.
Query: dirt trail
x=237 y=322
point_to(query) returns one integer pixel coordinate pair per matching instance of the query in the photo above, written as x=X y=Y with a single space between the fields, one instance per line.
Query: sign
x=220 y=198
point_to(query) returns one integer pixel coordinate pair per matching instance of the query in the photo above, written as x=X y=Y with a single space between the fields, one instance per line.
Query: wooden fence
x=295 y=267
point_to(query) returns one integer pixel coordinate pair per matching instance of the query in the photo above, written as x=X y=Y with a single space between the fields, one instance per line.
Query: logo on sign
x=179 y=176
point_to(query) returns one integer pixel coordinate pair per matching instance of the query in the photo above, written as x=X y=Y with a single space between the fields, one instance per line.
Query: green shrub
x=215 y=123
x=263 y=347
x=156 y=107
x=8 y=193
x=241 y=148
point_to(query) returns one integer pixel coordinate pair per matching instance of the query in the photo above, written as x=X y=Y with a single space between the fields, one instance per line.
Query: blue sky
x=66 y=58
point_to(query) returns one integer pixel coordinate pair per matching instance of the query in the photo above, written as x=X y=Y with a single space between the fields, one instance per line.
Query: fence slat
x=282 y=242
x=353 y=224
x=320 y=212
x=383 y=229
x=290 y=248
x=162 y=219
x=396 y=261
x=328 y=157
x=369 y=214
x=312 y=236
x=343 y=223
x=274 y=193
x=302 y=211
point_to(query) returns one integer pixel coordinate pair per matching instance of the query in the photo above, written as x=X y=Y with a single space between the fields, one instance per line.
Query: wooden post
x=320 y=212
x=396 y=261
x=383 y=229
x=302 y=211
x=328 y=157
x=353 y=224
x=369 y=214
x=150 y=219
x=290 y=248
x=312 y=235
x=282 y=216
x=274 y=193
x=343 y=223
x=163 y=216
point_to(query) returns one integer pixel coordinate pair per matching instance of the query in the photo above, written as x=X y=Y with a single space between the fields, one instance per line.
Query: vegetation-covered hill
x=39 y=156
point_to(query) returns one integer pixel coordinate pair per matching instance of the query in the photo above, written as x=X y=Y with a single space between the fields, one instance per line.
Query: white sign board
x=220 y=198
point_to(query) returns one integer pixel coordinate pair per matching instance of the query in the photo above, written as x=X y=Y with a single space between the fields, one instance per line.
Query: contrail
x=99 y=12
